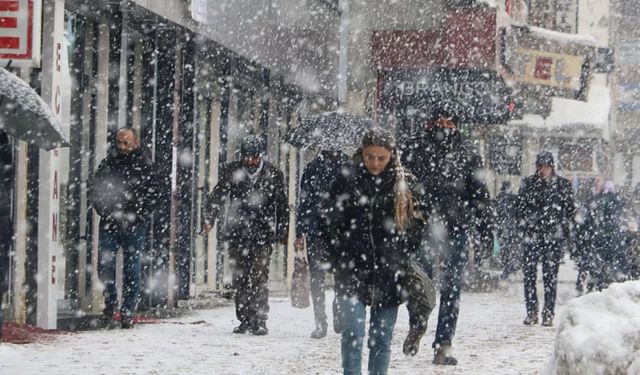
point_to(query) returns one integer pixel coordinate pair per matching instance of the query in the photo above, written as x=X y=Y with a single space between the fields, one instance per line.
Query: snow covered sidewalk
x=490 y=339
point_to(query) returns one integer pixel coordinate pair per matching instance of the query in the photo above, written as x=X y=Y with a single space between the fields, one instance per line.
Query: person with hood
x=317 y=178
x=376 y=225
x=257 y=216
x=546 y=212
x=125 y=194
x=455 y=199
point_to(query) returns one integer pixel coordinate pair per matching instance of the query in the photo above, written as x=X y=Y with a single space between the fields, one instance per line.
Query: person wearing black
x=376 y=227
x=456 y=198
x=6 y=224
x=506 y=225
x=546 y=211
x=257 y=216
x=125 y=193
x=317 y=178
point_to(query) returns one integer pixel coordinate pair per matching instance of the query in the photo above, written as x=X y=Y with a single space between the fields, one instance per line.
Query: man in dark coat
x=455 y=197
x=257 y=216
x=317 y=178
x=125 y=194
x=546 y=211
x=506 y=224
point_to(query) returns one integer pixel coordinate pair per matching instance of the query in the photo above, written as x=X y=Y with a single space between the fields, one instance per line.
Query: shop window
x=575 y=158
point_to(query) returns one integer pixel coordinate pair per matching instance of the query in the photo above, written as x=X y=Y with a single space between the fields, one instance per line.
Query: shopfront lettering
x=548 y=69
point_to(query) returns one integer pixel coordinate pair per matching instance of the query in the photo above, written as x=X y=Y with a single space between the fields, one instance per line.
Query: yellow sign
x=548 y=69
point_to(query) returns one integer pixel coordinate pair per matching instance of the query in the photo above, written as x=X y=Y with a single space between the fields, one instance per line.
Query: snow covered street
x=490 y=339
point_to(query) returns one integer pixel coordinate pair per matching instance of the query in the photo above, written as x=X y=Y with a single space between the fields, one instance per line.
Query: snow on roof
x=594 y=112
x=598 y=333
x=588 y=40
x=567 y=113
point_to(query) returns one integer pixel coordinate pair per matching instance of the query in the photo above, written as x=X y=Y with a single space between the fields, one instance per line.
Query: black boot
x=321 y=330
x=442 y=356
x=260 y=329
x=242 y=328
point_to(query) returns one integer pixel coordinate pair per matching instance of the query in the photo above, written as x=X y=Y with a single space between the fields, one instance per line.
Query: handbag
x=300 y=283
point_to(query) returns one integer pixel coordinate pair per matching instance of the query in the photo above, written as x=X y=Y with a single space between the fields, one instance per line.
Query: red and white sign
x=20 y=31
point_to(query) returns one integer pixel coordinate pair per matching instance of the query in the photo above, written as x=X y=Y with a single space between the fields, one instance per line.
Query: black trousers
x=316 y=250
x=250 y=272
x=548 y=252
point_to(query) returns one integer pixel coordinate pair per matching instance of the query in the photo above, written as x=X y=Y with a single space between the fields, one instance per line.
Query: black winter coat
x=546 y=209
x=451 y=174
x=125 y=188
x=317 y=178
x=257 y=211
x=368 y=255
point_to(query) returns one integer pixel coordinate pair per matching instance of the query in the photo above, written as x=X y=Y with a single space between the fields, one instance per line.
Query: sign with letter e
x=20 y=27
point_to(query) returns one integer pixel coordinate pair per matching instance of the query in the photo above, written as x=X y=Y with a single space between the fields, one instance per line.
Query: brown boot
x=412 y=342
x=531 y=319
x=442 y=355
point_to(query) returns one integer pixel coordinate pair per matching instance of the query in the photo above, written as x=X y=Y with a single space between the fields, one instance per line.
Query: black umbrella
x=330 y=131
x=26 y=116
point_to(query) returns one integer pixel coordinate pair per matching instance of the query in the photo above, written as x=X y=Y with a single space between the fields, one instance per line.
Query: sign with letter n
x=20 y=25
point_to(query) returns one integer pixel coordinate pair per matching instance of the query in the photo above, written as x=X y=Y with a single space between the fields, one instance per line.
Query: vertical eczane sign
x=20 y=28
x=50 y=256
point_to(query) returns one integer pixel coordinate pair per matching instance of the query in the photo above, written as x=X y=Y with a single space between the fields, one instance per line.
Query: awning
x=26 y=116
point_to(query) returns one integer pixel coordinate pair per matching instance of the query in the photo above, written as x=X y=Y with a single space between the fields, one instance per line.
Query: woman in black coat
x=376 y=227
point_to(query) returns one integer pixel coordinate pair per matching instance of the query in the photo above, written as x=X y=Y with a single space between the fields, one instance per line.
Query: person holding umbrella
x=376 y=227
x=317 y=178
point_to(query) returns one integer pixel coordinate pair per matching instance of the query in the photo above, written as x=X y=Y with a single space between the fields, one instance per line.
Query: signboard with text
x=20 y=28
x=545 y=62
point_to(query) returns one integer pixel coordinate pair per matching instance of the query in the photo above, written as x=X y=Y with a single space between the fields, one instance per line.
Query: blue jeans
x=455 y=259
x=131 y=239
x=381 y=325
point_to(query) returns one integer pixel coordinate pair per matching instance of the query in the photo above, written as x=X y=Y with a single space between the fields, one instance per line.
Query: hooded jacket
x=546 y=209
x=450 y=170
x=256 y=205
x=368 y=254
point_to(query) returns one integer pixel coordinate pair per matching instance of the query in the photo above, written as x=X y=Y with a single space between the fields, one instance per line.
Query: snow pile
x=599 y=333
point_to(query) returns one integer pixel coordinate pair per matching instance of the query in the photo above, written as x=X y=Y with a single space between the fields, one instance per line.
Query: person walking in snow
x=317 y=178
x=257 y=216
x=376 y=227
x=546 y=212
x=455 y=199
x=125 y=194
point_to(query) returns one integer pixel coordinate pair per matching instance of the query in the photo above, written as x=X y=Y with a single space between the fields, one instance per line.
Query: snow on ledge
x=599 y=333
x=582 y=39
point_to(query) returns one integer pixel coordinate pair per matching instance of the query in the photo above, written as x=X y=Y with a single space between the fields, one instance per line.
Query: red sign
x=16 y=29
x=466 y=41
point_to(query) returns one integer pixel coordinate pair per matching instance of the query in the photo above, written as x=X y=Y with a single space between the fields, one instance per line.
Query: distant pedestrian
x=546 y=211
x=257 y=217
x=376 y=228
x=456 y=199
x=609 y=239
x=317 y=178
x=506 y=226
x=125 y=194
